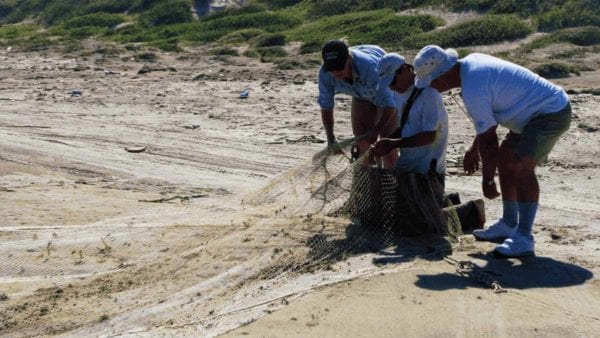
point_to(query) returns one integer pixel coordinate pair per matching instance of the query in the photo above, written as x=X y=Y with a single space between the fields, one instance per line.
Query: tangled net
x=348 y=207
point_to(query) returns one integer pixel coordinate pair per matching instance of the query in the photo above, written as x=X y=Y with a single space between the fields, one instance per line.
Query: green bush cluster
x=166 y=13
x=242 y=35
x=225 y=51
x=487 y=30
x=555 y=70
x=571 y=13
x=310 y=47
x=321 y=8
x=378 y=27
x=269 y=39
x=586 y=36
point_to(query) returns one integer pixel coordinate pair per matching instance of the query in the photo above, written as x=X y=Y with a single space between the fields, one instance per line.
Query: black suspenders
x=411 y=99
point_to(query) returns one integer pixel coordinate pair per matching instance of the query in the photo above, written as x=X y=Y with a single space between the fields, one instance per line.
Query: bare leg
x=364 y=116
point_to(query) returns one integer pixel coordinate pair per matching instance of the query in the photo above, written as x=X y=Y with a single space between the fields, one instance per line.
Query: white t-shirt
x=426 y=114
x=499 y=92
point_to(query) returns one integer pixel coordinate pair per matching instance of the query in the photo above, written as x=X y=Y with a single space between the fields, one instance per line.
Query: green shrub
x=10 y=32
x=249 y=9
x=582 y=37
x=269 y=39
x=57 y=11
x=310 y=47
x=242 y=35
x=251 y=53
x=225 y=51
x=487 y=30
x=105 y=20
x=166 y=13
x=321 y=8
x=281 y=3
x=108 y=6
x=376 y=27
x=586 y=36
x=271 y=52
x=146 y=57
x=555 y=70
x=167 y=45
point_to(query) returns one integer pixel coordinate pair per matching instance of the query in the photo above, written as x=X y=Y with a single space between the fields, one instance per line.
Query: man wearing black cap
x=352 y=71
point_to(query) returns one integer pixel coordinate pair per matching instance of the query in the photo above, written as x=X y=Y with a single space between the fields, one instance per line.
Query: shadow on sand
x=390 y=248
x=522 y=273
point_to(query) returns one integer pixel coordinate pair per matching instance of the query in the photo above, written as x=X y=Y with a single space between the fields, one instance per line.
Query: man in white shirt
x=422 y=138
x=423 y=133
x=537 y=113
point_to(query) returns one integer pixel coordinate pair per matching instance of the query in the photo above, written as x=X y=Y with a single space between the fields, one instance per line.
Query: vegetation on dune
x=487 y=30
x=587 y=36
x=555 y=70
x=169 y=24
x=383 y=27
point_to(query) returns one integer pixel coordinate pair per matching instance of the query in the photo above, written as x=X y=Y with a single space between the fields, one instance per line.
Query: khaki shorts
x=365 y=116
x=539 y=135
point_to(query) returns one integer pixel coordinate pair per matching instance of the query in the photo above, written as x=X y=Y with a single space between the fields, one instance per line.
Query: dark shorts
x=539 y=135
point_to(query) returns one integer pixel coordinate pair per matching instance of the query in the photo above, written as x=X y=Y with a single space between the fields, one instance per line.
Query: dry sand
x=81 y=255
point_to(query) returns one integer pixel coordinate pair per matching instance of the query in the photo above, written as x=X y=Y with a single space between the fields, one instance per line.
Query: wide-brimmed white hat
x=387 y=67
x=431 y=62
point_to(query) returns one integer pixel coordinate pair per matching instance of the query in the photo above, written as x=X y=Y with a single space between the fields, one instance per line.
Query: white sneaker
x=497 y=232
x=516 y=245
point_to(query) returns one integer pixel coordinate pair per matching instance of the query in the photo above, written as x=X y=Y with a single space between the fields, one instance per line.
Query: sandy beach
x=121 y=212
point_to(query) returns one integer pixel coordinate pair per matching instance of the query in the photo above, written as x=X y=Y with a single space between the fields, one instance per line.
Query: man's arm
x=327 y=118
x=386 y=145
x=488 y=149
x=471 y=158
x=387 y=117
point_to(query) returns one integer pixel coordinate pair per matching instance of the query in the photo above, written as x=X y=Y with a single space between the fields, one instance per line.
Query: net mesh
x=348 y=207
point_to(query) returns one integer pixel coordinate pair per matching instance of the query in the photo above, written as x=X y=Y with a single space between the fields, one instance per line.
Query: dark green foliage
x=487 y=30
x=269 y=39
x=321 y=8
x=146 y=57
x=108 y=6
x=251 y=8
x=377 y=27
x=142 y=5
x=267 y=21
x=225 y=51
x=251 y=53
x=276 y=4
x=94 y=20
x=271 y=52
x=572 y=14
x=242 y=35
x=555 y=70
x=311 y=47
x=586 y=36
x=166 y=13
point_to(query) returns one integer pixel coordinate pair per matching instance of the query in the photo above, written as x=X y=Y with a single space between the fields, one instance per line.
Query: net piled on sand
x=356 y=207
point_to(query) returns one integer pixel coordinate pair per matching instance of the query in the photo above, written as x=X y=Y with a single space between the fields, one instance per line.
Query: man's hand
x=382 y=147
x=489 y=189
x=471 y=161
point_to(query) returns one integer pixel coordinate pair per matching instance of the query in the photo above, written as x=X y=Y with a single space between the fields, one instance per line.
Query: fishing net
x=348 y=207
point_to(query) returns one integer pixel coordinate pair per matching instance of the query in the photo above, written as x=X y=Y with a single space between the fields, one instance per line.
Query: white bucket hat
x=431 y=62
x=387 y=67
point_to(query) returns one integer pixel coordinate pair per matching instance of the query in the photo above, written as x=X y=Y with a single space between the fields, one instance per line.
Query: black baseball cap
x=335 y=54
